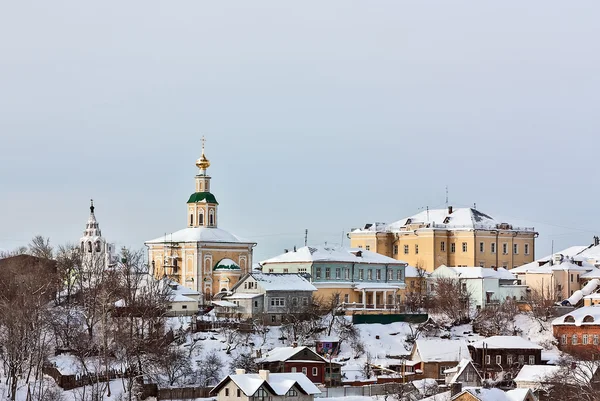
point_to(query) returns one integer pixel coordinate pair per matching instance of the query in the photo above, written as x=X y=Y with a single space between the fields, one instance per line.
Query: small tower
x=202 y=204
x=94 y=248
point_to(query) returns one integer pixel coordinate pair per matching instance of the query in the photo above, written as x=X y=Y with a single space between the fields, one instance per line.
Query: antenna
x=342 y=243
x=305 y=237
x=446 y=196
x=427 y=213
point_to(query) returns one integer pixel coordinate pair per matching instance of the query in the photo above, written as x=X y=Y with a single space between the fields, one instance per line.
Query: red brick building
x=578 y=330
x=302 y=360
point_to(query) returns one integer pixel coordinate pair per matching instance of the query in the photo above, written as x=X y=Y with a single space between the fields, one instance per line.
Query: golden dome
x=203 y=162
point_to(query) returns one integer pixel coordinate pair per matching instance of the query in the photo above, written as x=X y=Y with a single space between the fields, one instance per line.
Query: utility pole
x=305 y=237
x=446 y=196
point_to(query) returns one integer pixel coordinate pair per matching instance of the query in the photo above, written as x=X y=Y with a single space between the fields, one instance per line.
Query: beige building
x=202 y=257
x=451 y=237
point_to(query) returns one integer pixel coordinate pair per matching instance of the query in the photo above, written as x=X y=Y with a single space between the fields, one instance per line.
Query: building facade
x=432 y=357
x=579 y=330
x=202 y=257
x=451 y=237
x=360 y=279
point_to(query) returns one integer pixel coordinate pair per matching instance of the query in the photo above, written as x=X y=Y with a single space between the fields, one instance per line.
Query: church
x=201 y=256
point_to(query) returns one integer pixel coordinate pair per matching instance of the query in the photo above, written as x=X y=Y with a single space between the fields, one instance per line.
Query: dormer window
x=447 y=220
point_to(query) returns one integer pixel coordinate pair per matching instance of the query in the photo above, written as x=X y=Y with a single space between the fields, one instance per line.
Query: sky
x=318 y=115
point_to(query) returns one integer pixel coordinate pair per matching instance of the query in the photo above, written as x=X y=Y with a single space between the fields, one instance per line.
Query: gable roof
x=460 y=368
x=536 y=373
x=311 y=254
x=278 y=383
x=280 y=281
x=434 y=350
x=474 y=272
x=495 y=394
x=281 y=354
x=200 y=234
x=505 y=342
x=580 y=316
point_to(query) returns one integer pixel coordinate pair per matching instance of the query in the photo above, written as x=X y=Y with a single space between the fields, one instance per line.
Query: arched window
x=82 y=247
x=191 y=219
x=569 y=319
x=201 y=218
x=588 y=319
x=211 y=219
x=98 y=246
x=89 y=246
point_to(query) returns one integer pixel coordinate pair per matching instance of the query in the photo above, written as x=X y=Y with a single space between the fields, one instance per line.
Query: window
x=347 y=274
x=481 y=264
x=488 y=359
x=327 y=273
x=395 y=249
x=399 y=275
x=481 y=247
x=571 y=277
x=271 y=270
x=239 y=392
x=256 y=304
x=377 y=274
x=305 y=371
x=574 y=339
x=406 y=249
x=191 y=219
x=294 y=301
x=201 y=219
x=505 y=248
x=361 y=274
x=346 y=298
x=286 y=270
x=260 y=395
x=595 y=339
x=304 y=301
x=338 y=273
x=532 y=359
x=211 y=219
x=498 y=359
x=279 y=301
x=369 y=274
x=563 y=339
x=390 y=275
x=521 y=359
x=443 y=246
x=493 y=247
x=292 y=393
x=584 y=339
x=516 y=249
x=464 y=247
x=315 y=371
x=526 y=249
x=452 y=247
x=226 y=392
x=360 y=247
x=318 y=272
x=509 y=360
x=273 y=318
x=183 y=306
x=368 y=247
x=302 y=270
x=416 y=249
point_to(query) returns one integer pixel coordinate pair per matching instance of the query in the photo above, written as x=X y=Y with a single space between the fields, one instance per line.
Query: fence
x=203 y=325
x=391 y=318
x=184 y=393
x=359 y=391
x=69 y=382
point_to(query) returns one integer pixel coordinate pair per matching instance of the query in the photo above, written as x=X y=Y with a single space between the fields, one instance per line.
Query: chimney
x=455 y=389
x=596 y=240
x=294 y=248
x=240 y=371
x=294 y=344
x=264 y=374
x=449 y=209
x=285 y=251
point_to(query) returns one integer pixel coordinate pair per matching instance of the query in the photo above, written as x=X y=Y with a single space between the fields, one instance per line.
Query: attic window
x=588 y=319
x=408 y=221
x=447 y=220
x=569 y=319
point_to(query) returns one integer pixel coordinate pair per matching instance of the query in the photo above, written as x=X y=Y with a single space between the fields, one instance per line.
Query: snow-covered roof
x=281 y=354
x=459 y=369
x=242 y=295
x=505 y=342
x=495 y=394
x=581 y=316
x=413 y=272
x=311 y=254
x=282 y=281
x=590 y=287
x=200 y=234
x=433 y=350
x=225 y=304
x=425 y=386
x=458 y=218
x=445 y=396
x=475 y=272
x=593 y=273
x=226 y=264
x=279 y=383
x=378 y=286
x=536 y=373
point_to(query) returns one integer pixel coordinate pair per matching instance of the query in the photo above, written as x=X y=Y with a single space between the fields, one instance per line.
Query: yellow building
x=202 y=256
x=451 y=237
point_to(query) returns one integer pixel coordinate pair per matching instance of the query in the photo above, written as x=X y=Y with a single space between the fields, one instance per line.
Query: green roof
x=202 y=197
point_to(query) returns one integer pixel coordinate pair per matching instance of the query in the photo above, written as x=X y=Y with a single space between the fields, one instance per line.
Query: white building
x=485 y=285
x=94 y=248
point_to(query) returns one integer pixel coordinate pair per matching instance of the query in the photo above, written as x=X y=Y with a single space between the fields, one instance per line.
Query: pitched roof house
x=434 y=356
x=494 y=394
x=265 y=386
x=503 y=356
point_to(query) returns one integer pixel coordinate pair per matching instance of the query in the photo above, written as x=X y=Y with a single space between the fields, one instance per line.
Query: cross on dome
x=203 y=163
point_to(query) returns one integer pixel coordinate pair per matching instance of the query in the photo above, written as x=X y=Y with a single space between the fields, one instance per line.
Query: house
x=501 y=357
x=535 y=376
x=578 y=329
x=432 y=357
x=302 y=359
x=552 y=382
x=361 y=280
x=485 y=285
x=271 y=296
x=265 y=386
x=465 y=373
x=451 y=237
x=328 y=346
x=494 y=394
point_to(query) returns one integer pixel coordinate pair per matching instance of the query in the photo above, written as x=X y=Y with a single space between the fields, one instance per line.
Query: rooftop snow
x=505 y=342
x=200 y=234
x=478 y=272
x=432 y=350
x=281 y=354
x=310 y=254
x=577 y=316
x=281 y=383
x=282 y=281
x=536 y=373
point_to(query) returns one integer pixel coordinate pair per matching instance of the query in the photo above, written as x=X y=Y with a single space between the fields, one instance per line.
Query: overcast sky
x=322 y=115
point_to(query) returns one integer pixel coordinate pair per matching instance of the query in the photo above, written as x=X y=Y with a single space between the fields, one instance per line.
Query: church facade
x=202 y=256
x=95 y=251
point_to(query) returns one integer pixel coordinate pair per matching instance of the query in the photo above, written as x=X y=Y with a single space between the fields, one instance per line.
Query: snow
x=310 y=254
x=68 y=364
x=477 y=272
x=282 y=282
x=445 y=396
x=281 y=354
x=200 y=234
x=458 y=369
x=242 y=296
x=378 y=286
x=432 y=350
x=571 y=252
x=225 y=304
x=579 y=315
x=505 y=342
x=249 y=383
x=535 y=373
x=586 y=290
x=412 y=272
x=425 y=386
x=495 y=394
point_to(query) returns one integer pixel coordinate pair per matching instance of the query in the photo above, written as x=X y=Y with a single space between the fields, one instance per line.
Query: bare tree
x=21 y=250
x=576 y=379
x=415 y=299
x=209 y=370
x=244 y=360
x=541 y=302
x=452 y=299
x=497 y=319
x=40 y=247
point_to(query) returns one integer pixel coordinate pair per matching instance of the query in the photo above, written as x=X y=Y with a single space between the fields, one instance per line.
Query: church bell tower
x=202 y=204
